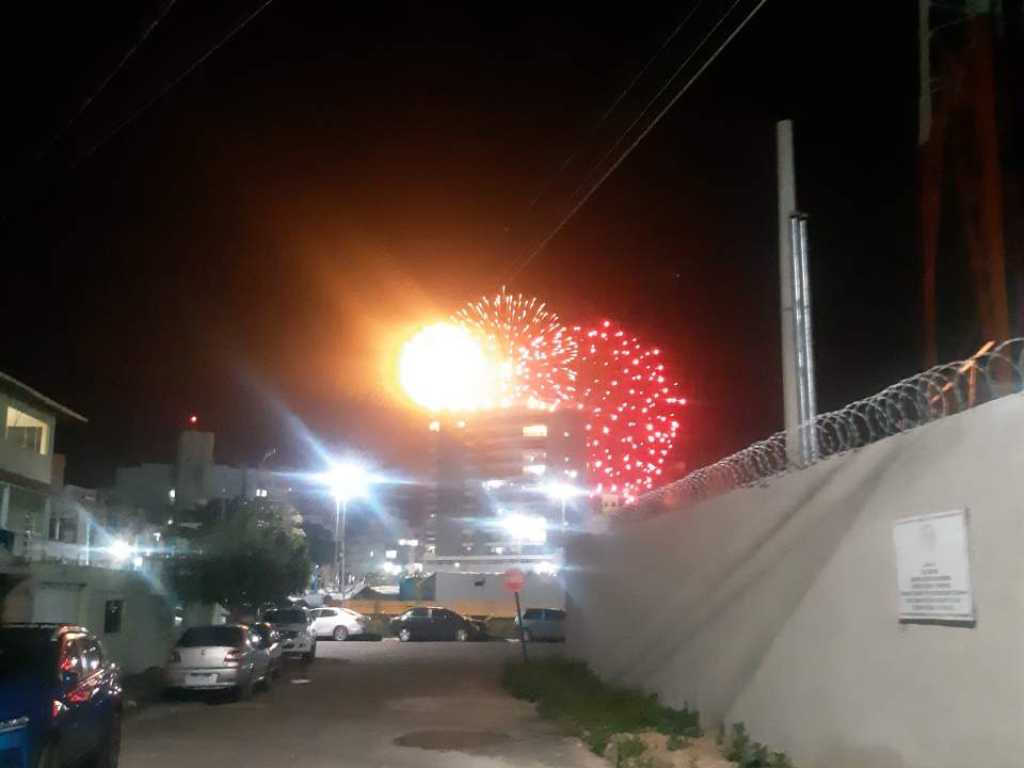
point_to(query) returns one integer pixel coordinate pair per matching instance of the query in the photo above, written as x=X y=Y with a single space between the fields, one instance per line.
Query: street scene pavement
x=363 y=704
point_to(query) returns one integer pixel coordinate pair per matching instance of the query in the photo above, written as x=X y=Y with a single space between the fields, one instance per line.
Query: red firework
x=631 y=405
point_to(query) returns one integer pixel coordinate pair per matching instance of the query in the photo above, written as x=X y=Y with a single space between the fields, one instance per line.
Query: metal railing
x=991 y=373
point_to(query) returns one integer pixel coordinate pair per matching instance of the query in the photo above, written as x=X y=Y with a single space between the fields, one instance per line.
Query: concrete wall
x=78 y=594
x=777 y=605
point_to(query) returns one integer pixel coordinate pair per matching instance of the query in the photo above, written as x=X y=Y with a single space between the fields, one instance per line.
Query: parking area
x=376 y=704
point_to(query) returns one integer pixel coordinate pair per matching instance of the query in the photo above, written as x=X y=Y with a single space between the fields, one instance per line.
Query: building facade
x=506 y=486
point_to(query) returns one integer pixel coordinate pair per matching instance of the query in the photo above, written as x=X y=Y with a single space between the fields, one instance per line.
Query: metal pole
x=344 y=521
x=787 y=207
x=519 y=621
x=337 y=522
x=807 y=342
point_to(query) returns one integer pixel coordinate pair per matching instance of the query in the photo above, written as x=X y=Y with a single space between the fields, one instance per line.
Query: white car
x=296 y=630
x=337 y=623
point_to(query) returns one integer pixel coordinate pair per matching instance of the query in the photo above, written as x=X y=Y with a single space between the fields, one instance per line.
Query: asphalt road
x=362 y=704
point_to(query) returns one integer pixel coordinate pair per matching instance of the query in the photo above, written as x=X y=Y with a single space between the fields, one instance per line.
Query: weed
x=629 y=749
x=569 y=693
x=676 y=742
x=739 y=744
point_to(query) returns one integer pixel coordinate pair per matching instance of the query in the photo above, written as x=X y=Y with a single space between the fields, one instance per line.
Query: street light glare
x=348 y=481
x=444 y=368
x=562 y=491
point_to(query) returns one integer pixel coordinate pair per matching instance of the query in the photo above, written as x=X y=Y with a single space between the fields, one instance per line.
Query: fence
x=993 y=372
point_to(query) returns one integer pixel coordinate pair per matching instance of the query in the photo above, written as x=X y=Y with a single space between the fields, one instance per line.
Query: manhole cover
x=458 y=741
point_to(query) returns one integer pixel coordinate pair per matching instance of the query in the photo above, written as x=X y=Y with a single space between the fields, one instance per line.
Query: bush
x=571 y=694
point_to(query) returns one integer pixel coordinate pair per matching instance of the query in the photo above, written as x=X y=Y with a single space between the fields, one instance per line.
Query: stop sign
x=514 y=580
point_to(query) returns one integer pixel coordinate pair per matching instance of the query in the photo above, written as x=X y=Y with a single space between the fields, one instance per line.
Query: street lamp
x=562 y=492
x=346 y=481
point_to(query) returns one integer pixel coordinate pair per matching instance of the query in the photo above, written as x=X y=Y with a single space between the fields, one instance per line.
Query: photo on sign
x=933 y=571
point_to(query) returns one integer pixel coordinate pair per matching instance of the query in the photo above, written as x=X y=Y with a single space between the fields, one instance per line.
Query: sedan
x=436 y=624
x=218 y=657
x=60 y=698
x=296 y=630
x=337 y=623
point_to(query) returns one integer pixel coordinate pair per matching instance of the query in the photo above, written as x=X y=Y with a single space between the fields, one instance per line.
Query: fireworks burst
x=631 y=407
x=537 y=350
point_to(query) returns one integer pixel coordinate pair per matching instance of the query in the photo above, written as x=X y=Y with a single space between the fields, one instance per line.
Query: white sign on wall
x=933 y=569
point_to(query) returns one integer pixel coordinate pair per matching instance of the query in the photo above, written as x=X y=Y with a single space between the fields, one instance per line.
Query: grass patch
x=570 y=694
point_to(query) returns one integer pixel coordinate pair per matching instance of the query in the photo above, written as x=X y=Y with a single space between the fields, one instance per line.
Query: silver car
x=296 y=629
x=543 y=624
x=218 y=657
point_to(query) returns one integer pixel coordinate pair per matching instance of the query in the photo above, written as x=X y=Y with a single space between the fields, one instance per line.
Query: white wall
x=538 y=592
x=777 y=605
x=23 y=461
x=78 y=594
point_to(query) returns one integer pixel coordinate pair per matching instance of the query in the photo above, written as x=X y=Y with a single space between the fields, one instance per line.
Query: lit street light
x=346 y=481
x=562 y=492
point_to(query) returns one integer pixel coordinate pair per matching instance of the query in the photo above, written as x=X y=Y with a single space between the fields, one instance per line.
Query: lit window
x=435 y=426
x=26 y=431
x=170 y=495
x=390 y=554
x=535 y=430
x=535 y=469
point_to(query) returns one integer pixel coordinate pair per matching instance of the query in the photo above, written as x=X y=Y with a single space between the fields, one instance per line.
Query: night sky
x=254 y=245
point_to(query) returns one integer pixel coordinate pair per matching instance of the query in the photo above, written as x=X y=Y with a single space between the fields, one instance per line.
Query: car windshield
x=285 y=617
x=27 y=653
x=200 y=637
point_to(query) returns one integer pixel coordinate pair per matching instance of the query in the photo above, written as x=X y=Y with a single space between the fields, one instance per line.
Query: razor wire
x=923 y=398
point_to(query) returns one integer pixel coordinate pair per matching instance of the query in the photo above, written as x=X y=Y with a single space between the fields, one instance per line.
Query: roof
x=36 y=397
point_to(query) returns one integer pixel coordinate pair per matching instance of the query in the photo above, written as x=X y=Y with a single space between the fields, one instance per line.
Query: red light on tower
x=193 y=420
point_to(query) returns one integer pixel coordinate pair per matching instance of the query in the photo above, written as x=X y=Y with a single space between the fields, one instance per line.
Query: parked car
x=270 y=641
x=436 y=624
x=295 y=627
x=60 y=698
x=337 y=623
x=218 y=657
x=543 y=624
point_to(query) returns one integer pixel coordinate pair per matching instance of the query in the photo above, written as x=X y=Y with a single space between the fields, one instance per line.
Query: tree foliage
x=249 y=552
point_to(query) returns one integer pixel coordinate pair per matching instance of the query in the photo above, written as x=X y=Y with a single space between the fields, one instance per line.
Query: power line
x=629 y=150
x=653 y=98
x=171 y=84
x=114 y=72
x=615 y=103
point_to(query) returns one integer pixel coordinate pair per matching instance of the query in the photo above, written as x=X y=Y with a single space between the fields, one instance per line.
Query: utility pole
x=798 y=388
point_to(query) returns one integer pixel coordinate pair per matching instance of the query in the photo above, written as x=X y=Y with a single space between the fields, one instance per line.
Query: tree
x=251 y=552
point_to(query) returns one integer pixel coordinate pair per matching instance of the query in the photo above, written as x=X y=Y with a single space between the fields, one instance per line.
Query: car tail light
x=235 y=656
x=174 y=658
x=56 y=708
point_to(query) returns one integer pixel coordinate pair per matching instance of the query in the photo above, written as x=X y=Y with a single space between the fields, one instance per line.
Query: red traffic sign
x=514 y=580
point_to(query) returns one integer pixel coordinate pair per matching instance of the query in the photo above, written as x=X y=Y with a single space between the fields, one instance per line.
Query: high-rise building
x=506 y=484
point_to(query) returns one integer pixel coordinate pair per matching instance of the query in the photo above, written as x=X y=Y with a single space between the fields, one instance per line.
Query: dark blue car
x=60 y=698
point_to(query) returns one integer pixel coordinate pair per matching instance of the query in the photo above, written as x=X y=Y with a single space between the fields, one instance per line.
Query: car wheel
x=309 y=657
x=404 y=635
x=527 y=636
x=109 y=753
x=462 y=634
x=340 y=633
x=268 y=679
